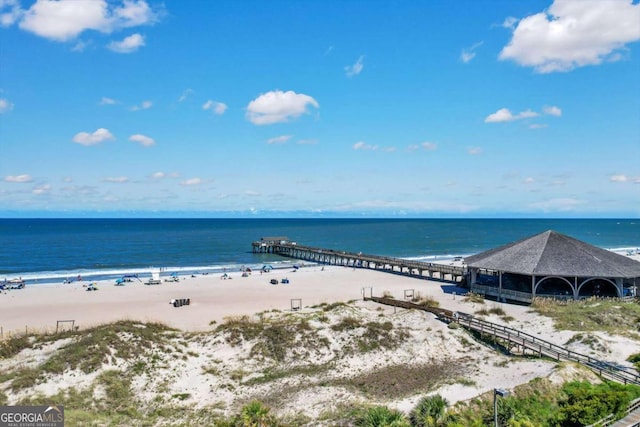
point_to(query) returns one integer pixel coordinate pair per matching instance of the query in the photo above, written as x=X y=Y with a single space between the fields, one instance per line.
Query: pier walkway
x=284 y=247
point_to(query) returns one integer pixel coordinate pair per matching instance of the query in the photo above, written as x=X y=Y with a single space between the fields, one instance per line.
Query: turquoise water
x=55 y=249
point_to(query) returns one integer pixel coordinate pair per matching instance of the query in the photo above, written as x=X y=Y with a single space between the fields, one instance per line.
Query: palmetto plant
x=431 y=411
x=255 y=414
x=381 y=416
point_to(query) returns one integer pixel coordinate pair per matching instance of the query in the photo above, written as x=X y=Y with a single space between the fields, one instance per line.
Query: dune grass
x=607 y=315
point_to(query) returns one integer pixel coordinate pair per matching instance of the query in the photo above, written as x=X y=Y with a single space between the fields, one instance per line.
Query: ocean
x=53 y=250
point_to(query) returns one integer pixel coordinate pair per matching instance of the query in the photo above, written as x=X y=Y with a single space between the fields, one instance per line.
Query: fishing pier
x=284 y=247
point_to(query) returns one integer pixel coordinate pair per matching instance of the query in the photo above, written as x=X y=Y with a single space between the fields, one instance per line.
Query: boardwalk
x=284 y=247
x=631 y=420
x=520 y=342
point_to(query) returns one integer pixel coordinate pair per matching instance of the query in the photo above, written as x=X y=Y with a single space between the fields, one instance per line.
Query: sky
x=327 y=108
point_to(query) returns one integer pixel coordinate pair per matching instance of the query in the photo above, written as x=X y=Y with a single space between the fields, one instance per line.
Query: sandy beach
x=213 y=298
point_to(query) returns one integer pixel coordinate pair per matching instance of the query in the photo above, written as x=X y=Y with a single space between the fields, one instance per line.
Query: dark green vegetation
x=538 y=403
x=635 y=359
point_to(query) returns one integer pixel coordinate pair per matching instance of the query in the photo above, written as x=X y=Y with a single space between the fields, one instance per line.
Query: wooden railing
x=502 y=293
x=521 y=338
x=546 y=348
x=610 y=420
x=335 y=257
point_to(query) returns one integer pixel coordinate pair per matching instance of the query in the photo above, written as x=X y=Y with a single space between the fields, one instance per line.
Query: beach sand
x=38 y=307
x=212 y=298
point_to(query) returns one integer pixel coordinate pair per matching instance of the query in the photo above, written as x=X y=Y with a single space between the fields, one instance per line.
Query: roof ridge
x=546 y=235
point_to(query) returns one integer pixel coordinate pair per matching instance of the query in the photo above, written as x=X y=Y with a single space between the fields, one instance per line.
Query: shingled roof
x=555 y=254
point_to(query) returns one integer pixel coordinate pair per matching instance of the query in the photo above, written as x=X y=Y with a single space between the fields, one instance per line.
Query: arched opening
x=555 y=287
x=598 y=288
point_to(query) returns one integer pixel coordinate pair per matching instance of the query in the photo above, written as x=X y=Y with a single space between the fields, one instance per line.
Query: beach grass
x=592 y=314
x=137 y=373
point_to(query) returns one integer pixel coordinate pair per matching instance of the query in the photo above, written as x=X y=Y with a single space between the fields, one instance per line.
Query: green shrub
x=381 y=416
x=586 y=403
x=256 y=414
x=635 y=359
x=431 y=411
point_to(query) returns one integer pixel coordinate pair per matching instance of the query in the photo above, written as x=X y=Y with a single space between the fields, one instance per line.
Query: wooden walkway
x=443 y=272
x=520 y=342
x=632 y=419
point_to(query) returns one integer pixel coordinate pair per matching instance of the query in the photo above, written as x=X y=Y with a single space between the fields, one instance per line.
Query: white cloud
x=537 y=126
x=278 y=107
x=560 y=204
x=307 y=141
x=80 y=46
x=552 y=111
x=510 y=22
x=100 y=135
x=468 y=54
x=5 y=105
x=191 y=181
x=128 y=44
x=41 y=189
x=279 y=139
x=529 y=180
x=429 y=146
x=18 y=178
x=161 y=175
x=134 y=13
x=505 y=115
x=185 y=94
x=361 y=145
x=145 y=105
x=355 y=69
x=116 y=179
x=10 y=12
x=502 y=115
x=142 y=140
x=619 y=178
x=64 y=20
x=574 y=33
x=474 y=151
x=217 y=107
x=107 y=101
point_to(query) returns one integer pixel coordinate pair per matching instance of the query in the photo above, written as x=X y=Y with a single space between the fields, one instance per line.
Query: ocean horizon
x=53 y=250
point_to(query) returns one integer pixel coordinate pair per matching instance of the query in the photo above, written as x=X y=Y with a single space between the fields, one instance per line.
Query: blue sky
x=320 y=108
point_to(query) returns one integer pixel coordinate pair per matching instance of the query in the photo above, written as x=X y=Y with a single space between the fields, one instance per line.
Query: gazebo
x=551 y=264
